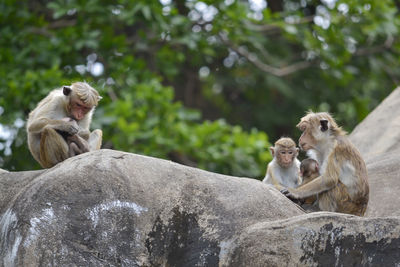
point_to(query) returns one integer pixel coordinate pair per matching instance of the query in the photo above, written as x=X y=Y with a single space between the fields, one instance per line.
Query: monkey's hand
x=288 y=194
x=292 y=196
x=70 y=127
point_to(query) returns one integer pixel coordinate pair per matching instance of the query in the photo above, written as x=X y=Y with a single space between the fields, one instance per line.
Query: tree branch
x=62 y=23
x=279 y=72
x=54 y=25
x=273 y=27
x=376 y=49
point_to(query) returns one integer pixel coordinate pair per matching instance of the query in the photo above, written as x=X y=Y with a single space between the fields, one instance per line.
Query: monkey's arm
x=38 y=125
x=299 y=181
x=270 y=179
x=326 y=181
x=316 y=186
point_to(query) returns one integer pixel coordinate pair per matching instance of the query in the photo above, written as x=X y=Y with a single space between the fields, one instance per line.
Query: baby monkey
x=309 y=170
x=283 y=170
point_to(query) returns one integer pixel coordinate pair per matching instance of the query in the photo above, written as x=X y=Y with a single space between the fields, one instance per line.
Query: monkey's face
x=315 y=128
x=285 y=156
x=309 y=168
x=78 y=108
x=306 y=140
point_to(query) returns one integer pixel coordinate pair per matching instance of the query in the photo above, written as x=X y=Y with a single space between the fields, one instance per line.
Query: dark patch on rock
x=332 y=247
x=181 y=242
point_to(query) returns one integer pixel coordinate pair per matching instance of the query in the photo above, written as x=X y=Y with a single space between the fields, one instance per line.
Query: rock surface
x=319 y=239
x=379 y=132
x=378 y=139
x=384 y=184
x=114 y=208
x=111 y=208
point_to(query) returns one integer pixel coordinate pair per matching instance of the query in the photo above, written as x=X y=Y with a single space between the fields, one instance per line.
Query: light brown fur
x=343 y=183
x=309 y=170
x=283 y=170
x=54 y=134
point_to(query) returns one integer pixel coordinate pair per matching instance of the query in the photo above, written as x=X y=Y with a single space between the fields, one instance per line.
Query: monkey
x=58 y=128
x=283 y=170
x=309 y=170
x=343 y=182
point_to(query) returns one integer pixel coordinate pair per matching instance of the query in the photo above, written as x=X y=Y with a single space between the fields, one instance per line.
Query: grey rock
x=379 y=132
x=378 y=139
x=111 y=208
x=318 y=239
x=384 y=184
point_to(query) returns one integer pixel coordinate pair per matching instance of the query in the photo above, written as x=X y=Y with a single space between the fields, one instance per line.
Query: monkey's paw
x=288 y=194
x=72 y=128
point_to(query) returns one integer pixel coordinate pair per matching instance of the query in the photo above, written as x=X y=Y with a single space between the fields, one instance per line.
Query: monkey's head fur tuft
x=86 y=93
x=285 y=142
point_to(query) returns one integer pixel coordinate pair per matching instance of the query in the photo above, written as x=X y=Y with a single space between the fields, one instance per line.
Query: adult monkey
x=283 y=170
x=343 y=183
x=58 y=128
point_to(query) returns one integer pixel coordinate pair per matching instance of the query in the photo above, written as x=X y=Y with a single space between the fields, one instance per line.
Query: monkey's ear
x=316 y=165
x=324 y=125
x=66 y=90
x=297 y=150
x=272 y=151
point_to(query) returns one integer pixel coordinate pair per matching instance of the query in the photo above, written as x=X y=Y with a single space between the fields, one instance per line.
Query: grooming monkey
x=58 y=128
x=343 y=183
x=283 y=170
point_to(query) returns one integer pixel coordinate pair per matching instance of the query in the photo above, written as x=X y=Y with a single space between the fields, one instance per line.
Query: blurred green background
x=208 y=84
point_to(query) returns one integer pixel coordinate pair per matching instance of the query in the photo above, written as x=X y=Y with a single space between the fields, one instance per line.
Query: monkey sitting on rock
x=343 y=182
x=58 y=128
x=283 y=170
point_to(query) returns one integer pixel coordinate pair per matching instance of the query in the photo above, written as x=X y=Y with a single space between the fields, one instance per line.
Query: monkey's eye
x=290 y=152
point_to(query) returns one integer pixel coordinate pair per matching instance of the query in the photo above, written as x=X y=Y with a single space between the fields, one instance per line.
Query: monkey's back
x=50 y=103
x=47 y=105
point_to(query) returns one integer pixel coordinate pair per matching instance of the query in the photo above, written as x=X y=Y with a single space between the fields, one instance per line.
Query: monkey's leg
x=79 y=145
x=95 y=140
x=53 y=148
x=74 y=149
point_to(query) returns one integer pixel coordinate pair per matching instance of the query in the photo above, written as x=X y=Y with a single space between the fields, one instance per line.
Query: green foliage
x=169 y=70
x=146 y=120
x=49 y=46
